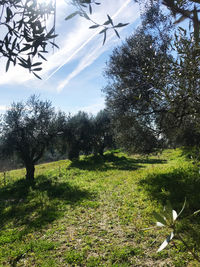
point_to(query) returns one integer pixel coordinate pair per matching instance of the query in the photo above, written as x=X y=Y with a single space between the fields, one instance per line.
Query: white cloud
x=86 y=61
x=17 y=74
x=71 y=55
x=92 y=52
x=93 y=108
x=3 y=108
x=77 y=39
x=74 y=37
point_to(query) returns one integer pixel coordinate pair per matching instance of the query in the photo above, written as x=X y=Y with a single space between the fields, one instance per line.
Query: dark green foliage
x=134 y=136
x=153 y=86
x=103 y=135
x=186 y=133
x=186 y=10
x=32 y=130
x=180 y=124
x=84 y=134
x=25 y=32
x=27 y=129
x=78 y=134
x=134 y=96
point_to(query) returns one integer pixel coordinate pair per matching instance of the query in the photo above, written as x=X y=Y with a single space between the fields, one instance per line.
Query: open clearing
x=93 y=212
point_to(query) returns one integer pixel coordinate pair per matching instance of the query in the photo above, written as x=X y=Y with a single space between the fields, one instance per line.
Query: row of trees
x=152 y=96
x=88 y=134
x=28 y=130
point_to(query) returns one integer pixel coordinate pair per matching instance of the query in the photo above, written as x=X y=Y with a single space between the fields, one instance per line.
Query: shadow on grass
x=112 y=162
x=175 y=186
x=34 y=206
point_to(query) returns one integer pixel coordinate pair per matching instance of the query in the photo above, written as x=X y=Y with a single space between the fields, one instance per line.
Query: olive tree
x=27 y=129
x=154 y=83
x=135 y=94
x=77 y=135
x=103 y=134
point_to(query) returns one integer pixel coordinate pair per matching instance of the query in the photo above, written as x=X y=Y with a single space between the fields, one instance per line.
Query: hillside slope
x=93 y=212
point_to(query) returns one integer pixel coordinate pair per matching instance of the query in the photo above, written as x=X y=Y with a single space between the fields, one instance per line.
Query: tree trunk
x=101 y=150
x=73 y=153
x=30 y=170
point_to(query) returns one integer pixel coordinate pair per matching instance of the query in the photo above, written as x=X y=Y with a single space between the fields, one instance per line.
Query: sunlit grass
x=92 y=212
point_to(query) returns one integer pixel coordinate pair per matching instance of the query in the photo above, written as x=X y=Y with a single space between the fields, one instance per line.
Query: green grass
x=93 y=212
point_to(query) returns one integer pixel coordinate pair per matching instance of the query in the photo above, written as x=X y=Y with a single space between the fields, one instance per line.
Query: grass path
x=92 y=212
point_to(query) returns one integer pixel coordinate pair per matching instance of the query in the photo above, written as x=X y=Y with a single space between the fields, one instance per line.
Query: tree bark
x=30 y=170
x=73 y=153
x=101 y=150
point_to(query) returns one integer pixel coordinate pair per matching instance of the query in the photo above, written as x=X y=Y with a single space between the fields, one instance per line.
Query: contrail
x=85 y=43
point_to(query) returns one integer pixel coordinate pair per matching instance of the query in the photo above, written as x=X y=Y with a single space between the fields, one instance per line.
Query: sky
x=72 y=78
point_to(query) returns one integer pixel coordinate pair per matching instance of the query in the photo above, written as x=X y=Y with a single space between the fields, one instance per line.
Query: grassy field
x=93 y=212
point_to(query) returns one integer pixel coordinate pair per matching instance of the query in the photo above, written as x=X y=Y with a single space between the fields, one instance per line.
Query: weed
x=74 y=257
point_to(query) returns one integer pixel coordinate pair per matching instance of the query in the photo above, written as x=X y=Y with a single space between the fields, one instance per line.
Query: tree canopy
x=77 y=135
x=85 y=134
x=153 y=84
x=27 y=129
x=24 y=33
x=131 y=97
x=103 y=137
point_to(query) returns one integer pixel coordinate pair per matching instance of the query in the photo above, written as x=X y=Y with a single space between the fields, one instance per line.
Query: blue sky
x=73 y=75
